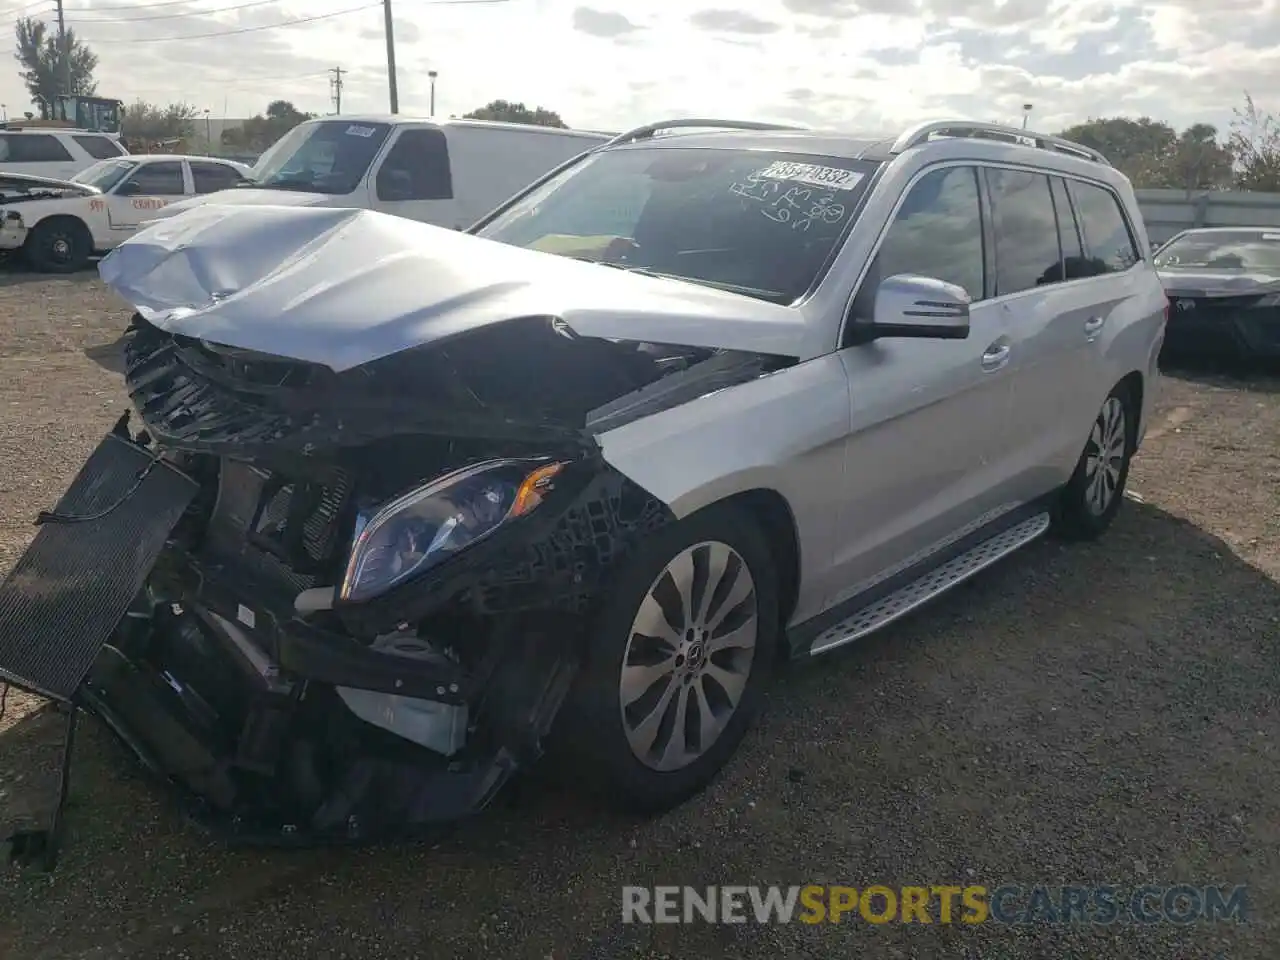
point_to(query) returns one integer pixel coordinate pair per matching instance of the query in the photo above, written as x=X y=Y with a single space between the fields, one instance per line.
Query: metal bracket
x=40 y=847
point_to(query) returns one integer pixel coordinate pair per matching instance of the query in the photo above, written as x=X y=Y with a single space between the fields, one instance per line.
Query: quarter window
x=417 y=168
x=31 y=148
x=100 y=148
x=937 y=232
x=1110 y=245
x=1027 y=252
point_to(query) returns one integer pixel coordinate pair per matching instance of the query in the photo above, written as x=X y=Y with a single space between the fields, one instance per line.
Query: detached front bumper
x=279 y=728
x=1207 y=329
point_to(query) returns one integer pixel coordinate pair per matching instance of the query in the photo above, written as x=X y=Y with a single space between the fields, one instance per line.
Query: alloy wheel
x=1104 y=456
x=688 y=656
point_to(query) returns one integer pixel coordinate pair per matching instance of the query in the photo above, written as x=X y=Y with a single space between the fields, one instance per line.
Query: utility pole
x=336 y=84
x=66 y=54
x=432 y=74
x=391 y=55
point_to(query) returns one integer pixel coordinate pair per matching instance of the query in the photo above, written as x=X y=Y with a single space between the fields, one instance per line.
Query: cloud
x=732 y=21
x=868 y=65
x=602 y=23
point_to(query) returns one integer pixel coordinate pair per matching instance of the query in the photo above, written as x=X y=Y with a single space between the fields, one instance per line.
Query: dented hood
x=344 y=287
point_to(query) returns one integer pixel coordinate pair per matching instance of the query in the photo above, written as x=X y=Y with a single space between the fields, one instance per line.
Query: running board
x=937 y=581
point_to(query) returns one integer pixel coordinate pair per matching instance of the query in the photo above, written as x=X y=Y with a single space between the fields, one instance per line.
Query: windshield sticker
x=1271 y=236
x=830 y=178
x=354 y=131
x=799 y=207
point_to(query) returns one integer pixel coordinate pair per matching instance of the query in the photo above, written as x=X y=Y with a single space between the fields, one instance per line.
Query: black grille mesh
x=70 y=588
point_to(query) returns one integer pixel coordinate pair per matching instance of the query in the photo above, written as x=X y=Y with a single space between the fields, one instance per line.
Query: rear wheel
x=678 y=661
x=59 y=245
x=1093 y=495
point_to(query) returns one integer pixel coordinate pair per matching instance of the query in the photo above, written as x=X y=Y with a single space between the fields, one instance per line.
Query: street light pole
x=1026 y=114
x=433 y=74
x=391 y=56
x=208 y=131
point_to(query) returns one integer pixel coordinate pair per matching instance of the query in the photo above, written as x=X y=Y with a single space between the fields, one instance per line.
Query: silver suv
x=409 y=499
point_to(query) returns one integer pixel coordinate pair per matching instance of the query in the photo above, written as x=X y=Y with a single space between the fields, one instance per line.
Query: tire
x=1091 y=498
x=58 y=245
x=602 y=738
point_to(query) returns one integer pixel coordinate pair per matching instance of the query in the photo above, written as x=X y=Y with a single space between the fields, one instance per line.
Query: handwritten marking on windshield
x=354 y=131
x=795 y=206
x=830 y=178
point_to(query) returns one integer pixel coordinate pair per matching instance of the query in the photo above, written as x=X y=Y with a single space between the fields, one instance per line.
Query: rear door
x=414 y=178
x=40 y=155
x=1048 y=302
x=154 y=184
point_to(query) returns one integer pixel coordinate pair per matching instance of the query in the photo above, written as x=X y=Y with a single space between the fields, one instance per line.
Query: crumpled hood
x=1193 y=282
x=245 y=197
x=343 y=287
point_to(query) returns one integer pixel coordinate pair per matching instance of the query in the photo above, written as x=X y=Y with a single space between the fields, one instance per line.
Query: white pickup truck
x=59 y=224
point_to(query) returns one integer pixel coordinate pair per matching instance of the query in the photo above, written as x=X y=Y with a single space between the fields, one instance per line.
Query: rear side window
x=937 y=232
x=212 y=177
x=417 y=168
x=1109 y=244
x=100 y=148
x=160 y=179
x=31 y=148
x=1027 y=252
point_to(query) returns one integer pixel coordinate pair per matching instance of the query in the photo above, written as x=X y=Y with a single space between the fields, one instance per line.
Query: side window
x=32 y=148
x=417 y=168
x=100 y=148
x=160 y=179
x=937 y=232
x=212 y=177
x=1107 y=238
x=1027 y=253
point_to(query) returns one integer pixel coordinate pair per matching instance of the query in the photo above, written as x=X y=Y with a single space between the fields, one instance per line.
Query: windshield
x=759 y=223
x=1243 y=250
x=105 y=174
x=328 y=156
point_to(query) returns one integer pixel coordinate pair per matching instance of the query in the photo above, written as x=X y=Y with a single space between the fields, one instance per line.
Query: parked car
x=59 y=224
x=56 y=153
x=1224 y=287
x=443 y=172
x=408 y=501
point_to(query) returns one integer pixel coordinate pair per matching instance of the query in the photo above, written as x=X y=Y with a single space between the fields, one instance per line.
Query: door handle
x=995 y=357
x=1093 y=326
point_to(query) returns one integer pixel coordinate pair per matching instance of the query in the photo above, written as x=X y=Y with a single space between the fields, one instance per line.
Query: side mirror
x=128 y=189
x=913 y=306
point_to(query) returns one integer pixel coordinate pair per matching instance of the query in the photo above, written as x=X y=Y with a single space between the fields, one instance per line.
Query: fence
x=1168 y=211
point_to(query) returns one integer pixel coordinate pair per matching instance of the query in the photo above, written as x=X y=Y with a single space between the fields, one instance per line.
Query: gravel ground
x=1088 y=714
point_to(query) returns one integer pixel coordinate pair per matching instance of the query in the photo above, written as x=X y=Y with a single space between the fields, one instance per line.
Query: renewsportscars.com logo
x=944 y=903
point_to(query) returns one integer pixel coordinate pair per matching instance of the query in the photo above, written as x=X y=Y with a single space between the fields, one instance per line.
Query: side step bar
x=933 y=583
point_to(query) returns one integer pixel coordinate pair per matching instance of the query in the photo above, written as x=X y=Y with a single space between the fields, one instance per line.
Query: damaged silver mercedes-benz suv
x=401 y=506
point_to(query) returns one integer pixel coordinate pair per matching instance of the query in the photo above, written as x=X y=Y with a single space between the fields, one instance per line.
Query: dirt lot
x=1102 y=714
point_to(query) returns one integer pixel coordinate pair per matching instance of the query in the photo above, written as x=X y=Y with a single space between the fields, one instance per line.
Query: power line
x=175 y=16
x=25 y=11
x=228 y=33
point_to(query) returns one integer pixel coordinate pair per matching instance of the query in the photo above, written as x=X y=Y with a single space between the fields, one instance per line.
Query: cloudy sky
x=869 y=65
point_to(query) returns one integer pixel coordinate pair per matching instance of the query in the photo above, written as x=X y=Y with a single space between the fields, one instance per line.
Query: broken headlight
x=420 y=529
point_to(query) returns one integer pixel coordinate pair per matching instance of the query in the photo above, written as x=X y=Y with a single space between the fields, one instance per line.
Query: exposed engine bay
x=374 y=597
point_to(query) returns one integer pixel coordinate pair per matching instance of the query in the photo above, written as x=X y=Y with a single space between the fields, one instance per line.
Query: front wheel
x=59 y=245
x=1089 y=501
x=677 y=662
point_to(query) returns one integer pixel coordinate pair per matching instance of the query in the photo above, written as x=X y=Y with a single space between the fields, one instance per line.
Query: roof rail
x=649 y=129
x=924 y=132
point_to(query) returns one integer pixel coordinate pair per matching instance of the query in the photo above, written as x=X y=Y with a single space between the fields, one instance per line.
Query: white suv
x=406 y=496
x=54 y=152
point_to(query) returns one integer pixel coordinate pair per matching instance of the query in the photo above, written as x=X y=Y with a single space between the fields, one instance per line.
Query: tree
x=146 y=123
x=44 y=68
x=259 y=132
x=1154 y=154
x=1255 y=147
x=509 y=112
